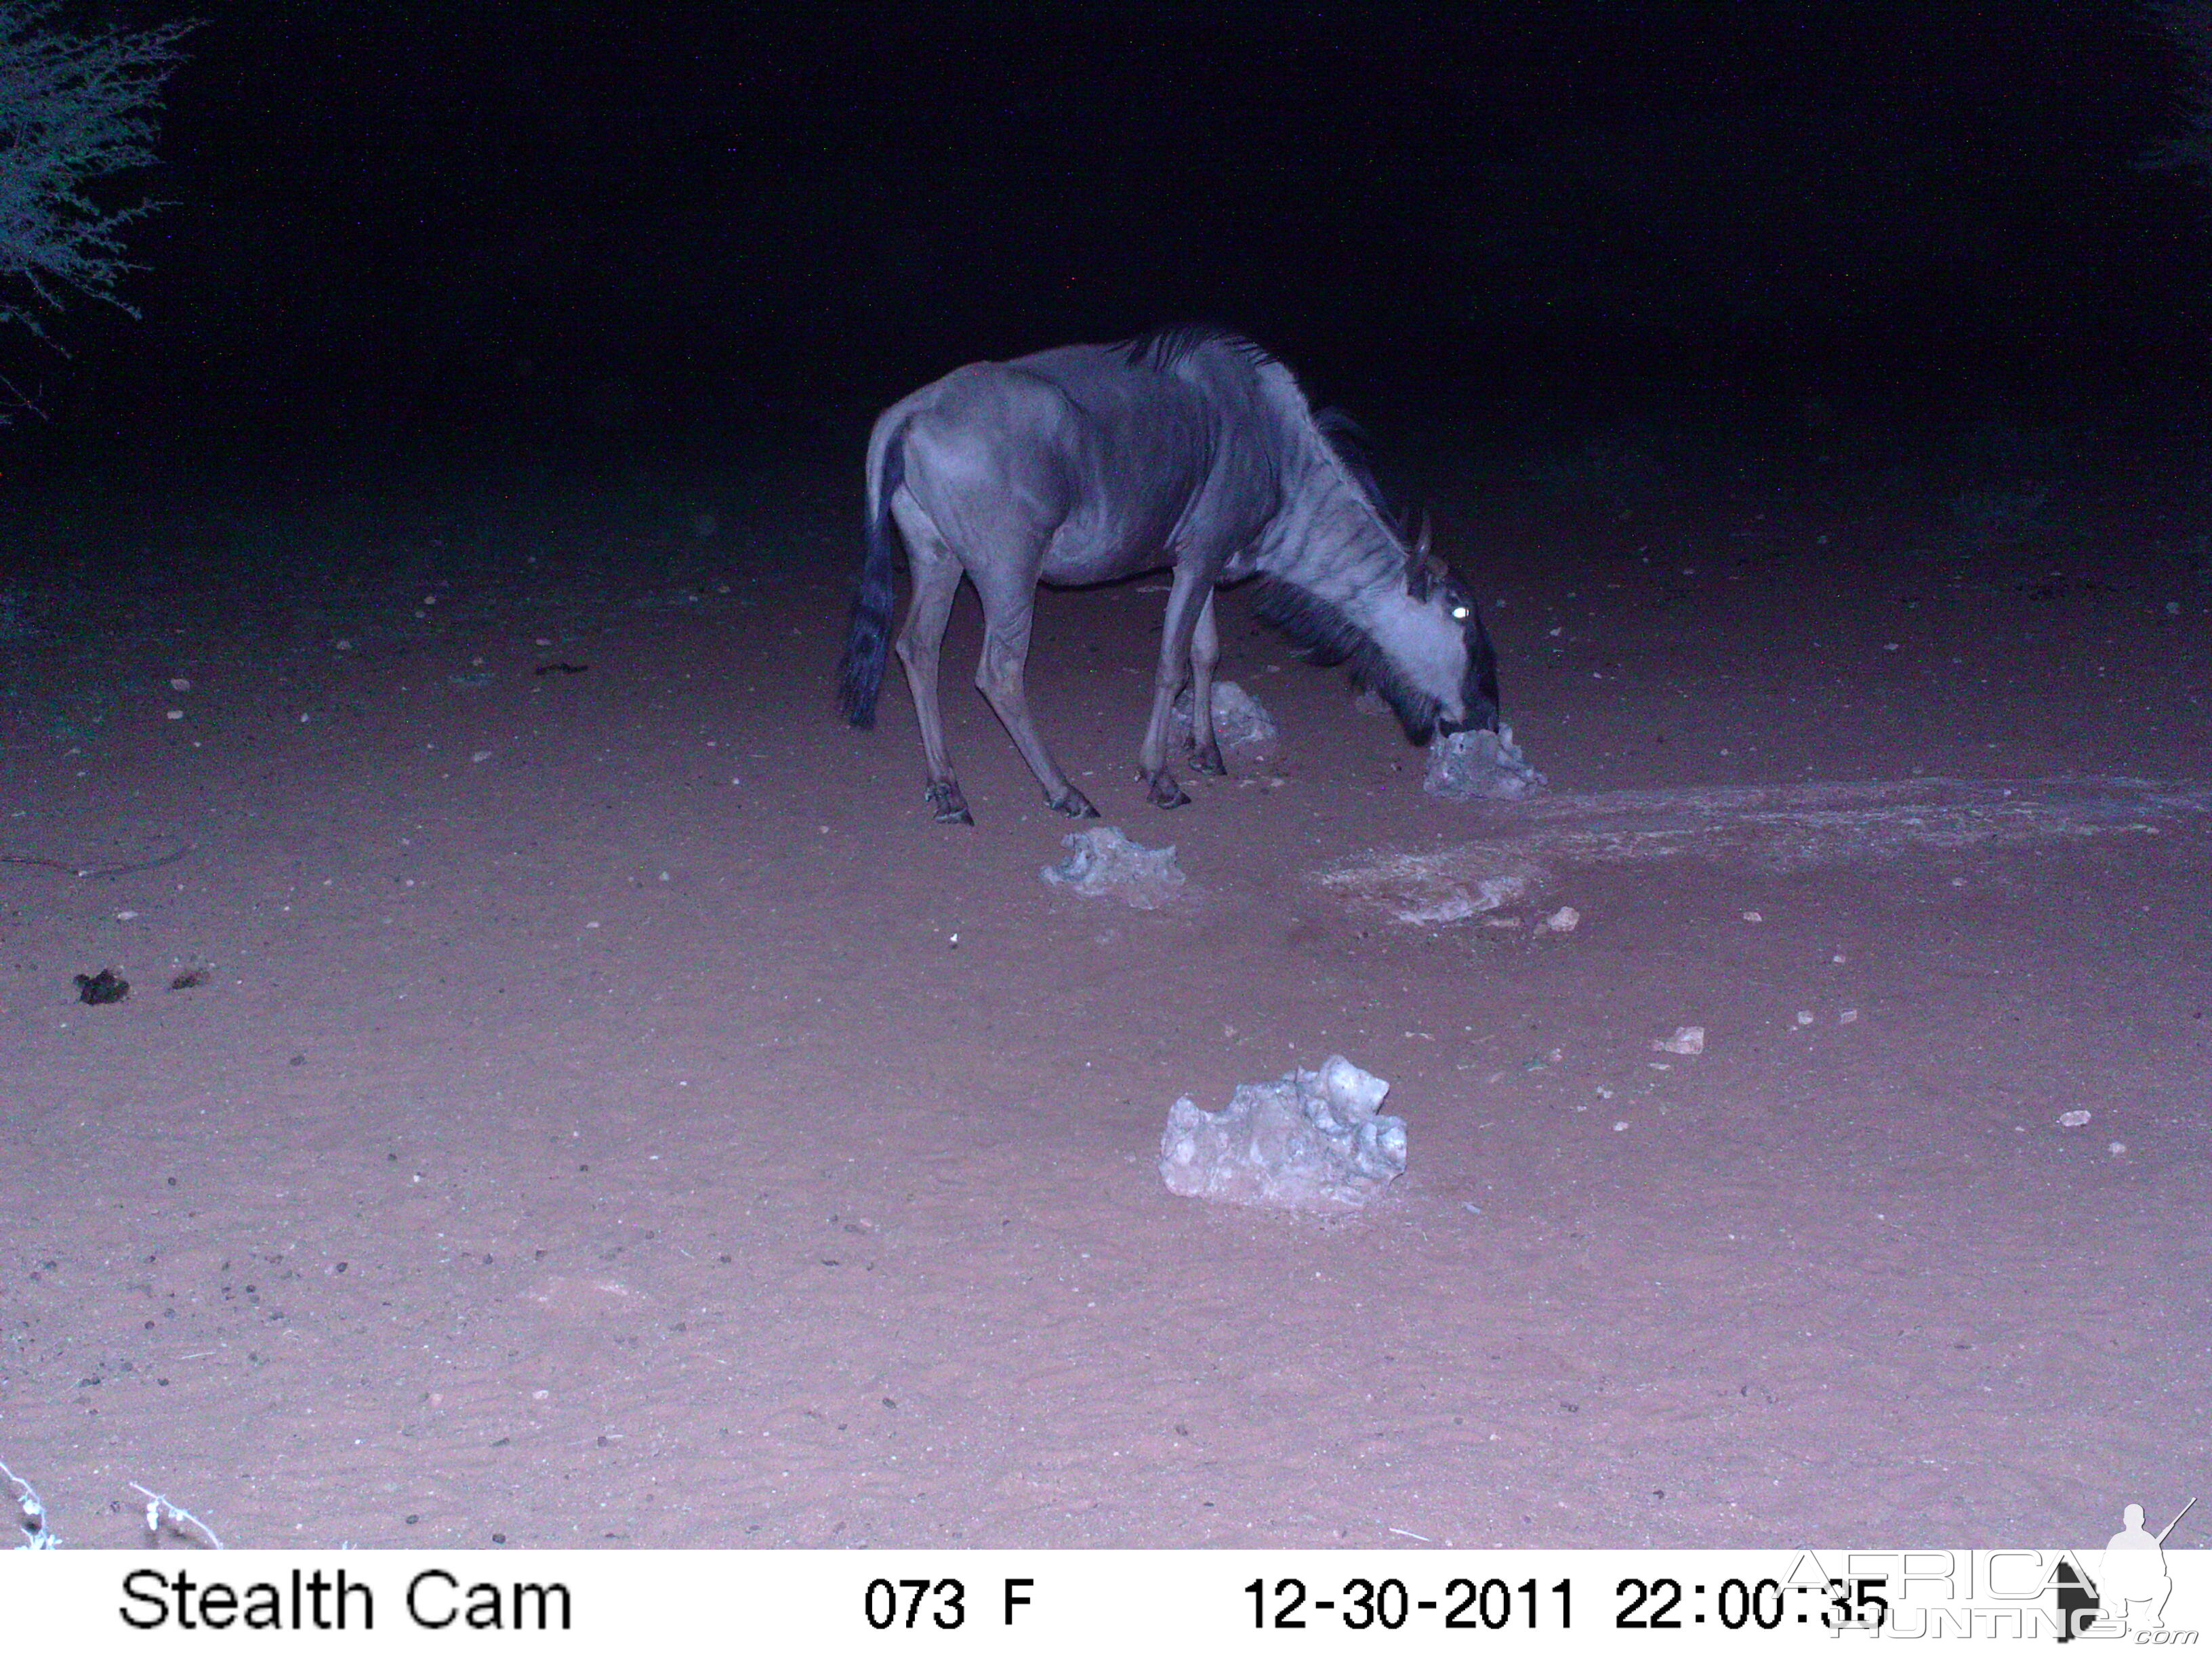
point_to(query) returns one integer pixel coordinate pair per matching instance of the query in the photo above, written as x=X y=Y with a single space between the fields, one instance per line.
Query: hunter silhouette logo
x=2133 y=1578
x=2131 y=1585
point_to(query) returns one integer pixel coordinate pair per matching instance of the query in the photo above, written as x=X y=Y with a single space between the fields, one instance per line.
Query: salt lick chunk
x=1480 y=766
x=1310 y=1140
x=1104 y=860
x=1490 y=894
x=1239 y=720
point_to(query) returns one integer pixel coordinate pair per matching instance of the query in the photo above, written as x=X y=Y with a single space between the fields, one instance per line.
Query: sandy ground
x=612 y=1114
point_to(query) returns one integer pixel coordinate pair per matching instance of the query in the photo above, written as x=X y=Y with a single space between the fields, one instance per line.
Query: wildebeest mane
x=1348 y=439
x=1326 y=637
x=1162 y=349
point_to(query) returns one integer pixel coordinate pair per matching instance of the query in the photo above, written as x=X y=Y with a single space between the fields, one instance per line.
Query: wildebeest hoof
x=1209 y=760
x=1074 y=803
x=948 y=804
x=1164 y=793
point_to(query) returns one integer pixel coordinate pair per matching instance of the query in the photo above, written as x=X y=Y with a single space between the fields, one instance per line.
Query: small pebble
x=1752 y=915
x=2072 y=1119
x=1849 y=1016
x=1804 y=1016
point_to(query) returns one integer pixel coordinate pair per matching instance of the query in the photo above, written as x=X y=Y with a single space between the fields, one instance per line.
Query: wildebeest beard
x=1327 y=637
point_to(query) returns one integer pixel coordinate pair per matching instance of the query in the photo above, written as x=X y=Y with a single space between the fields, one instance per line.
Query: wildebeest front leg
x=936 y=583
x=1007 y=619
x=1187 y=602
x=1205 y=652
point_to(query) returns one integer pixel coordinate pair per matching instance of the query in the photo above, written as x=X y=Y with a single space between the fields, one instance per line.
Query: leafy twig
x=37 y=1535
x=159 y=1509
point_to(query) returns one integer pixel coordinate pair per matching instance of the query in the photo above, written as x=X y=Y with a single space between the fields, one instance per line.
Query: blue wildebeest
x=1190 y=447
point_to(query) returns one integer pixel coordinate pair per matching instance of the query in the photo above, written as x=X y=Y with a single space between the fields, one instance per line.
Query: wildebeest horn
x=1423 y=566
x=1422 y=569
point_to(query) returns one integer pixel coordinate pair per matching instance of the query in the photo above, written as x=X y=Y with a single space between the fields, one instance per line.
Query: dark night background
x=561 y=226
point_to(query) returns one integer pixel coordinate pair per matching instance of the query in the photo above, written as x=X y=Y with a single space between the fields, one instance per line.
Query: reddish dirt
x=613 y=1114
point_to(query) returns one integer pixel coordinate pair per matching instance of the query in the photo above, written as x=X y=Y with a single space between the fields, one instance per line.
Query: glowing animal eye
x=1459 y=613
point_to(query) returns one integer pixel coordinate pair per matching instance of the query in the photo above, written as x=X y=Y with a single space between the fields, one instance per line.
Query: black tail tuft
x=868 y=635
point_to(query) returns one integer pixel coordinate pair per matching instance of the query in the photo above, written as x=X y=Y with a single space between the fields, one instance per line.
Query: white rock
x=1104 y=860
x=2072 y=1119
x=1239 y=720
x=1310 y=1140
x=1686 y=1040
x=1480 y=766
x=1564 y=920
x=1490 y=893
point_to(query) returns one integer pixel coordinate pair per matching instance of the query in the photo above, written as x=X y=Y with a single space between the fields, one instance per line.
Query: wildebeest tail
x=868 y=635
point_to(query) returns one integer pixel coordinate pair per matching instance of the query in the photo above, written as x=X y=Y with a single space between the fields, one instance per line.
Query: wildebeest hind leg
x=1007 y=619
x=1205 y=652
x=936 y=582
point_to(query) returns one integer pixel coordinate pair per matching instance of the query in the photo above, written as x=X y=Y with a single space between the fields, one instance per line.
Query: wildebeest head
x=1431 y=583
x=1431 y=659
